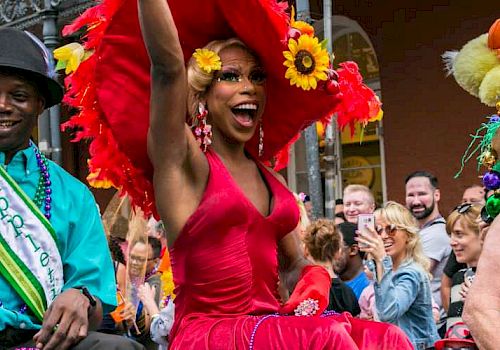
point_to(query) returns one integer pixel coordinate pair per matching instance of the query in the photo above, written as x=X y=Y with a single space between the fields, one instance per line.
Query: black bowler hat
x=26 y=55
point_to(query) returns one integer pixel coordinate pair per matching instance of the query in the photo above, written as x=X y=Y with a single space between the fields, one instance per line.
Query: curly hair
x=323 y=240
x=395 y=213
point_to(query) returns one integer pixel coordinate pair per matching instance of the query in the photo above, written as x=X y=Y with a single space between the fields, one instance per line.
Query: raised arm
x=180 y=170
x=167 y=141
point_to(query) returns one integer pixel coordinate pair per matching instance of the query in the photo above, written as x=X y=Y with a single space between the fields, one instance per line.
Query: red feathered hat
x=111 y=88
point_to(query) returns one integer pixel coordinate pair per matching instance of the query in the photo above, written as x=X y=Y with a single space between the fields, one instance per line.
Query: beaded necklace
x=43 y=190
x=151 y=273
x=22 y=309
x=263 y=318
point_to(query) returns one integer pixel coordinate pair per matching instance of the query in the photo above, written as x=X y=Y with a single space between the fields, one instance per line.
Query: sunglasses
x=486 y=217
x=463 y=208
x=389 y=229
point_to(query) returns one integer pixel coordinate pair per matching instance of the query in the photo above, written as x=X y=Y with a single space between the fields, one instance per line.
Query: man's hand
x=147 y=294
x=65 y=322
x=464 y=291
x=128 y=313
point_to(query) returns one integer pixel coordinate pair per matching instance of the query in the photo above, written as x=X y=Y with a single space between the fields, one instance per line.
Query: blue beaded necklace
x=43 y=199
x=22 y=309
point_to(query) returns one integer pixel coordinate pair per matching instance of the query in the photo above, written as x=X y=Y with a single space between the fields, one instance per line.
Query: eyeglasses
x=485 y=216
x=140 y=259
x=389 y=229
x=463 y=208
x=257 y=77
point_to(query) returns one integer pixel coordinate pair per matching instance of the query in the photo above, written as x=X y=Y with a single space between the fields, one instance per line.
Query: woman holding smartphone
x=401 y=271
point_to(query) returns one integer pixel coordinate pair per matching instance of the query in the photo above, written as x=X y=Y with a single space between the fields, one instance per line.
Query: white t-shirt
x=436 y=245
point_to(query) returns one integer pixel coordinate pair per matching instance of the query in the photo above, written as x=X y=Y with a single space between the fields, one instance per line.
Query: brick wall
x=428 y=117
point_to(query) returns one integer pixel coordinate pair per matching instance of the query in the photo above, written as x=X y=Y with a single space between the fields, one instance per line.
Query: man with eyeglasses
x=143 y=260
x=422 y=198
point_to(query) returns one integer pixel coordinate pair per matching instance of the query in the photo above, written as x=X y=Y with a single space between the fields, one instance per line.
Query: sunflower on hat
x=307 y=60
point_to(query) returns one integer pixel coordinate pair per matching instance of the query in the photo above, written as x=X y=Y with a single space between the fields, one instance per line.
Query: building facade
x=428 y=118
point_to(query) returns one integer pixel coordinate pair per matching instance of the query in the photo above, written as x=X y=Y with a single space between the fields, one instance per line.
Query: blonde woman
x=401 y=271
x=467 y=244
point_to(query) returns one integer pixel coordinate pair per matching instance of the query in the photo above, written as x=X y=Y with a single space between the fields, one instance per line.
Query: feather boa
x=107 y=162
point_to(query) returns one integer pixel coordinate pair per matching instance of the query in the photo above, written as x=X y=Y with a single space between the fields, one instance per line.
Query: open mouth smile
x=245 y=114
x=388 y=244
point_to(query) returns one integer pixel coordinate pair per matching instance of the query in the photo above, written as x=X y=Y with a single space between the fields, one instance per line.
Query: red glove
x=314 y=283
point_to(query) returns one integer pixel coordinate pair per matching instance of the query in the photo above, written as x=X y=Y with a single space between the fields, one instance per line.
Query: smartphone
x=365 y=221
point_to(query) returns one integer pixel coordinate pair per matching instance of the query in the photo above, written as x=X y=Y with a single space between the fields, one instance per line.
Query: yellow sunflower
x=207 y=60
x=307 y=62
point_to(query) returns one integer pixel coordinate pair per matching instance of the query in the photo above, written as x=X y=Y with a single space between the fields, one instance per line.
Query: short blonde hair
x=469 y=219
x=395 y=213
x=360 y=188
x=198 y=80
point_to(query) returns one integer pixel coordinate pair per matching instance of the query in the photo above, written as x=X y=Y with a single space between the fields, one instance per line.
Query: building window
x=362 y=152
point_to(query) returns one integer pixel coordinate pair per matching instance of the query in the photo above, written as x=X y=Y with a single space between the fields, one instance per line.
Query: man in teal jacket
x=56 y=274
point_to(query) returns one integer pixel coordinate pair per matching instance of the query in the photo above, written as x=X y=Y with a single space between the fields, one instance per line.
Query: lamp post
x=311 y=140
x=333 y=149
x=49 y=124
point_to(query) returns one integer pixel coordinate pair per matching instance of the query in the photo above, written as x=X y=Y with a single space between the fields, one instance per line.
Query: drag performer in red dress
x=230 y=220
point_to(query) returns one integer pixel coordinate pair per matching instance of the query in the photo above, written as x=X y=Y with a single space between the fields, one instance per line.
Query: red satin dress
x=225 y=269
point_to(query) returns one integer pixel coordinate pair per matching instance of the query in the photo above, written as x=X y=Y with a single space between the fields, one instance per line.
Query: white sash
x=29 y=257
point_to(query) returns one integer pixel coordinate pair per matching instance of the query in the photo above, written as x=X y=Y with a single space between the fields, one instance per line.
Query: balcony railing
x=24 y=14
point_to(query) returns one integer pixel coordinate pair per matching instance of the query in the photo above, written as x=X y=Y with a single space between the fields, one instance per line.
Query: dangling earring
x=261 y=140
x=201 y=130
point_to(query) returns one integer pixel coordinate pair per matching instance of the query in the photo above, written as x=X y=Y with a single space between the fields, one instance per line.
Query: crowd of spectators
x=416 y=266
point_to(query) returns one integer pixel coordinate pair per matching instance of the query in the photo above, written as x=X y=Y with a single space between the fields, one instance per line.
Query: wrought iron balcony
x=24 y=14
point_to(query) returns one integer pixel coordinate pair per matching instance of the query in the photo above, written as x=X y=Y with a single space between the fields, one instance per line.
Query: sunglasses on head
x=463 y=208
x=389 y=229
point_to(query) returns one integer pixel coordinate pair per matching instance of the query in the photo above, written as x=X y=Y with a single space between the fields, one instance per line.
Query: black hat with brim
x=19 y=53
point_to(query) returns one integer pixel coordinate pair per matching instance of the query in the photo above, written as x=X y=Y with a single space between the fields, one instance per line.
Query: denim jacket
x=403 y=297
